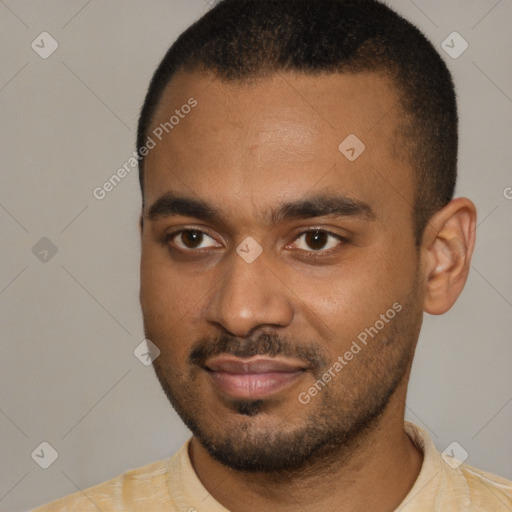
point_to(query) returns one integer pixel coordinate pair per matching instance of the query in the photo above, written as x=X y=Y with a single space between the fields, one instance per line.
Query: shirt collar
x=438 y=486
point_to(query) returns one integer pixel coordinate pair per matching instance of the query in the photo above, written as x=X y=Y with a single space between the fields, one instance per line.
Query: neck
x=374 y=473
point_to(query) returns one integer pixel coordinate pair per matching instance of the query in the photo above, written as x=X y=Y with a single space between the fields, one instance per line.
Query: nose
x=249 y=296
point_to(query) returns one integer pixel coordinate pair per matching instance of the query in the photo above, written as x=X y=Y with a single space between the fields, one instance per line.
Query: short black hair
x=239 y=40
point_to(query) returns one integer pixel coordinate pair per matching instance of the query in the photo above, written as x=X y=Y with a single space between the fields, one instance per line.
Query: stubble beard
x=326 y=429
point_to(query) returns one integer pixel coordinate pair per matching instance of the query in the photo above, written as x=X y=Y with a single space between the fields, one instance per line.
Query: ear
x=447 y=247
x=141 y=223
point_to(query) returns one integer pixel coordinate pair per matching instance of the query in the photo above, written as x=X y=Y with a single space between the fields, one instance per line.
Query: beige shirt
x=172 y=485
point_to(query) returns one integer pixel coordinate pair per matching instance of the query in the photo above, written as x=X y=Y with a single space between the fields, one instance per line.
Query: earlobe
x=448 y=247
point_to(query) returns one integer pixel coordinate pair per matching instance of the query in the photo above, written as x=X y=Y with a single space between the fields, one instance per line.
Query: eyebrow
x=315 y=206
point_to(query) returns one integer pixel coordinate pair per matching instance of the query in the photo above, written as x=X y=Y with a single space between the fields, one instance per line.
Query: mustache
x=269 y=344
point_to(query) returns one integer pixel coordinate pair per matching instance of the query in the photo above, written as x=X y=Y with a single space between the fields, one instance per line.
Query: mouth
x=255 y=377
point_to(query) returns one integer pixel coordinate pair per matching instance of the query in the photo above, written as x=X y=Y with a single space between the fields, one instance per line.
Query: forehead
x=278 y=138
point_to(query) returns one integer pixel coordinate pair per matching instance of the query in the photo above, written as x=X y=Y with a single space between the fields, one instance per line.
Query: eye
x=317 y=240
x=190 y=239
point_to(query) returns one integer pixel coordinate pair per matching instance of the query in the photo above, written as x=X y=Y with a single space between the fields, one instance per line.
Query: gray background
x=68 y=375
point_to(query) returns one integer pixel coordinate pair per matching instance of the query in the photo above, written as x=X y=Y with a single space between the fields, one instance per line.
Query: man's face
x=255 y=347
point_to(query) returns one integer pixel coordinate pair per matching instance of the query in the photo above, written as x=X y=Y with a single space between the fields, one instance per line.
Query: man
x=298 y=164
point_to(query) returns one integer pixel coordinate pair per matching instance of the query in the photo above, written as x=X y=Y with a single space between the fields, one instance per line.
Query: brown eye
x=192 y=239
x=318 y=240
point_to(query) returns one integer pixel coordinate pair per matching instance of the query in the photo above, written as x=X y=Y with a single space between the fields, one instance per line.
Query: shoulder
x=453 y=485
x=146 y=485
x=487 y=489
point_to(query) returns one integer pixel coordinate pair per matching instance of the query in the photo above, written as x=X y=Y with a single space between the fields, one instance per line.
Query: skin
x=245 y=149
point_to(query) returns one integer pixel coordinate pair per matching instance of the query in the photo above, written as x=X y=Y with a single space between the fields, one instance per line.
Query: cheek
x=164 y=297
x=344 y=301
x=171 y=300
x=162 y=287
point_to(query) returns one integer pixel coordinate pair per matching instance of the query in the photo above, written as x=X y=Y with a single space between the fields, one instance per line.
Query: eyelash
x=310 y=253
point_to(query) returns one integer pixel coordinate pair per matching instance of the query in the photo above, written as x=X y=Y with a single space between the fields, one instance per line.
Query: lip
x=255 y=377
